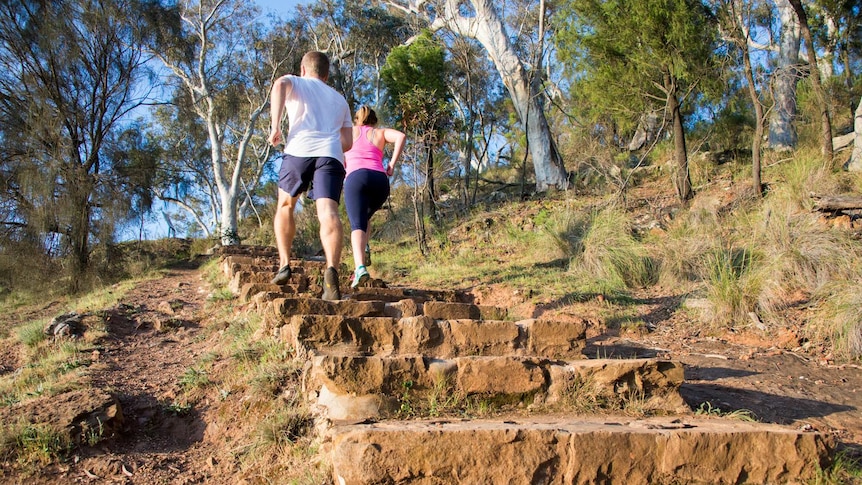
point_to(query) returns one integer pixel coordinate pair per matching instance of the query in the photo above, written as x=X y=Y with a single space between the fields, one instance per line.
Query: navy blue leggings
x=365 y=191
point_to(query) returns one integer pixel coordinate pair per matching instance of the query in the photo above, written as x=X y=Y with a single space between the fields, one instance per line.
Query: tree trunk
x=782 y=133
x=486 y=26
x=431 y=195
x=817 y=86
x=80 y=188
x=682 y=181
x=756 y=143
x=856 y=157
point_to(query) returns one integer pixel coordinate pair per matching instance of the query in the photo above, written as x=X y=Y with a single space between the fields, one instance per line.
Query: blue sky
x=282 y=7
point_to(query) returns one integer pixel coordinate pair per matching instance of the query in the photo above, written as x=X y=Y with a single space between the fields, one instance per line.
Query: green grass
x=707 y=409
x=845 y=469
x=32 y=445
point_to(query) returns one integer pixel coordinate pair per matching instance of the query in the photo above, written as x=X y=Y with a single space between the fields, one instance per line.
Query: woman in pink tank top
x=366 y=186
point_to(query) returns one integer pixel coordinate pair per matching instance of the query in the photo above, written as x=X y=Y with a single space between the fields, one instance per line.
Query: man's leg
x=284 y=225
x=331 y=232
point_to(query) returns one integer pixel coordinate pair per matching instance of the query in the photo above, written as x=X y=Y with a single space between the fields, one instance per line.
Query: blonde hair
x=365 y=116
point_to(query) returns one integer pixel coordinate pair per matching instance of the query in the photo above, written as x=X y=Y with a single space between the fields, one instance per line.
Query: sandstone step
x=349 y=388
x=250 y=290
x=247 y=250
x=230 y=265
x=331 y=334
x=605 y=450
x=242 y=278
x=284 y=308
x=393 y=294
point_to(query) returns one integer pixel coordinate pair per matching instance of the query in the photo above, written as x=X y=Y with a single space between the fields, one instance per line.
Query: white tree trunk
x=486 y=26
x=856 y=157
x=202 y=19
x=782 y=132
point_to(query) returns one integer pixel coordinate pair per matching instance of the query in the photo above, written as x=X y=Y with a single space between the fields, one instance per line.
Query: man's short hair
x=317 y=64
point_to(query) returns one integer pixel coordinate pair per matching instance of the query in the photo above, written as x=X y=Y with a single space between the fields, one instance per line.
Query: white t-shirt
x=316 y=114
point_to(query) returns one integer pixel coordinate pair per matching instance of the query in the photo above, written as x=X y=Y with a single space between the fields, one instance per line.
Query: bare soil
x=771 y=377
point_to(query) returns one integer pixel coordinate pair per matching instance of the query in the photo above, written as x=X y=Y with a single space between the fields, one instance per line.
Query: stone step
x=284 y=308
x=230 y=265
x=247 y=250
x=393 y=294
x=242 y=278
x=404 y=308
x=349 y=388
x=390 y=335
x=607 y=450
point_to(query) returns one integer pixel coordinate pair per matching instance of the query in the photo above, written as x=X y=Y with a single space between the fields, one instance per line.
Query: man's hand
x=275 y=137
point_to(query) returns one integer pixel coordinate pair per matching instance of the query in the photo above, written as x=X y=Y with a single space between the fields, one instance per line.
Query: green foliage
x=624 y=55
x=194 y=378
x=69 y=181
x=32 y=334
x=845 y=469
x=415 y=76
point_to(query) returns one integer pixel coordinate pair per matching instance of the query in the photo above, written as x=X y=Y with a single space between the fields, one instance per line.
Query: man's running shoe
x=330 y=285
x=283 y=276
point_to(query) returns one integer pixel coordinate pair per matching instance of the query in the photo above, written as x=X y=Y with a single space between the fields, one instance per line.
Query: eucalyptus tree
x=357 y=37
x=816 y=83
x=224 y=59
x=736 y=18
x=475 y=97
x=786 y=74
x=70 y=77
x=633 y=57
x=483 y=20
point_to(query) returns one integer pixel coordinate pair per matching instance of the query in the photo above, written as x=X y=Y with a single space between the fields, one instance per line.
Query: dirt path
x=154 y=341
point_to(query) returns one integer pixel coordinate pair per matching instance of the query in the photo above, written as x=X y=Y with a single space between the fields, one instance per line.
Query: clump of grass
x=707 y=409
x=681 y=249
x=609 y=259
x=32 y=444
x=731 y=285
x=32 y=334
x=286 y=427
x=583 y=395
x=838 y=318
x=194 y=378
x=800 y=176
x=801 y=255
x=844 y=469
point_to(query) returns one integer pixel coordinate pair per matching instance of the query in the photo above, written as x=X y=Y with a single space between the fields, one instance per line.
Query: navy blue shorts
x=365 y=191
x=325 y=175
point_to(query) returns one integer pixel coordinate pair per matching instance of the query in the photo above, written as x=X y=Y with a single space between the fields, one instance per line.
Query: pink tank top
x=364 y=154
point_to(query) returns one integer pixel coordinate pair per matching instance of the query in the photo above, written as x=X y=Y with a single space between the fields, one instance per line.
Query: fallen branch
x=835 y=203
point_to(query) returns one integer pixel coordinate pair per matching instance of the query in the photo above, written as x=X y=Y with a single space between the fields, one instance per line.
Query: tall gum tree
x=782 y=131
x=816 y=83
x=219 y=55
x=481 y=20
x=735 y=19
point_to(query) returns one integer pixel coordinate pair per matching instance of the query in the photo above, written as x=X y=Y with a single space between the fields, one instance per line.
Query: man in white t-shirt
x=320 y=132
